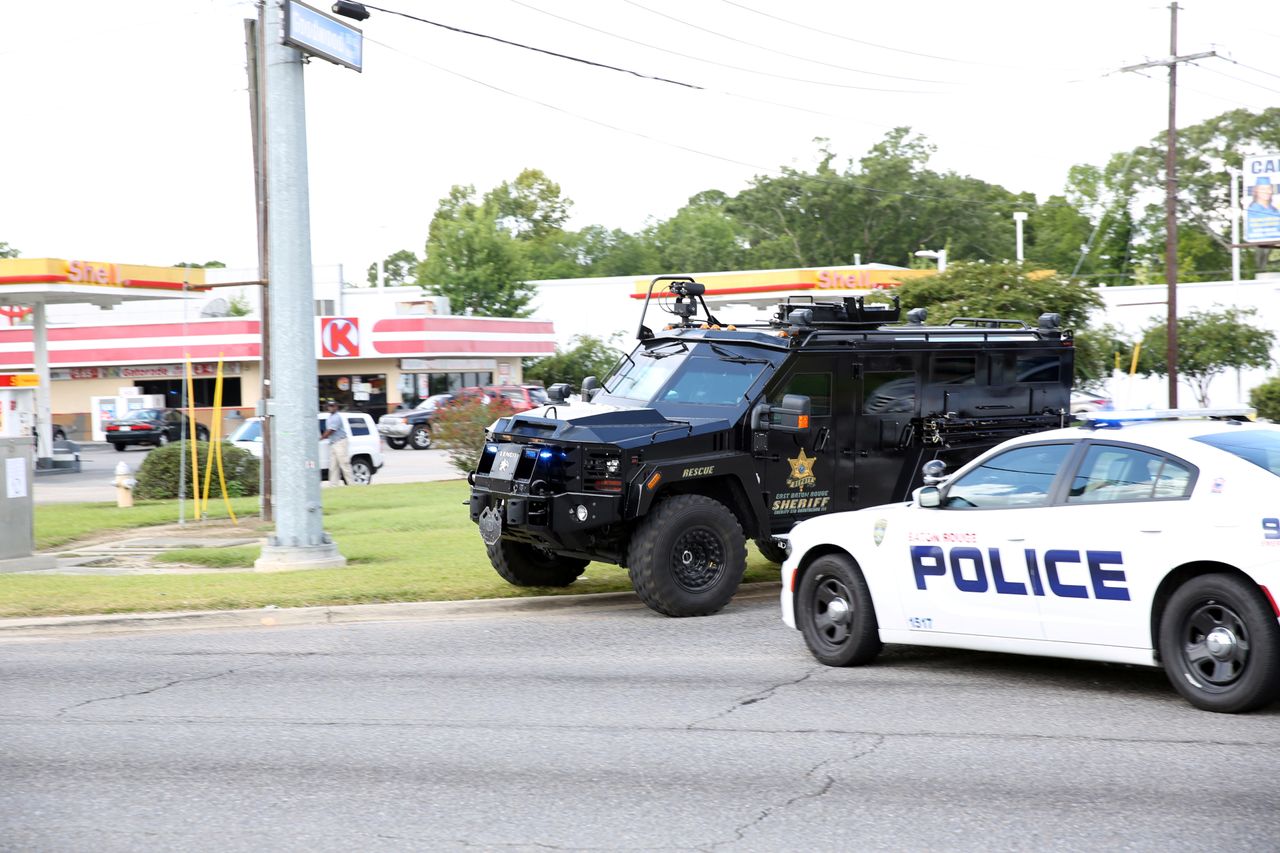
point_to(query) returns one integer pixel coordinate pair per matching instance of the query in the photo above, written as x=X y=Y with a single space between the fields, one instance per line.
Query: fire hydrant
x=124 y=485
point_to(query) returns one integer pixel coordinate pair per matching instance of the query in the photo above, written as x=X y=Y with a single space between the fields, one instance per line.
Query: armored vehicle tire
x=420 y=438
x=687 y=556
x=397 y=443
x=524 y=565
x=835 y=613
x=771 y=550
x=1220 y=645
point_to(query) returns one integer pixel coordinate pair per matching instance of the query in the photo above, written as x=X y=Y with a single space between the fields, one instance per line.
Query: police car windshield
x=1262 y=448
x=691 y=376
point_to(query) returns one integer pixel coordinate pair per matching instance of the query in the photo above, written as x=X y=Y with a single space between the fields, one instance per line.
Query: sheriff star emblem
x=802 y=476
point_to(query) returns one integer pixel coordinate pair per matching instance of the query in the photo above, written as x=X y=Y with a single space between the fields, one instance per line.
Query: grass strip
x=403 y=542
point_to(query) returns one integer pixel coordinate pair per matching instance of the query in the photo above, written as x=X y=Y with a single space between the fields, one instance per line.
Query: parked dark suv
x=411 y=427
x=151 y=426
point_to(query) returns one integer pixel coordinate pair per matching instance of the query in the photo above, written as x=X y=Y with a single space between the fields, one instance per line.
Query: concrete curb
x=121 y=623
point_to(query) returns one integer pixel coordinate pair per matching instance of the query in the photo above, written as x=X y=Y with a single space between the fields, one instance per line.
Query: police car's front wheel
x=1220 y=644
x=836 y=614
x=687 y=557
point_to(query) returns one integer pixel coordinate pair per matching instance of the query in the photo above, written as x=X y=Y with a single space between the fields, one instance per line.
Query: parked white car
x=1149 y=542
x=365 y=444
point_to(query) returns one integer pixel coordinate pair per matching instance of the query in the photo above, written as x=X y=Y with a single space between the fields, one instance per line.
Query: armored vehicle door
x=885 y=399
x=802 y=473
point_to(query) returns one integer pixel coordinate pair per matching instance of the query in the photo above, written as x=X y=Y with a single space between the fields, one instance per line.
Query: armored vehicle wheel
x=420 y=438
x=835 y=613
x=687 y=557
x=771 y=550
x=1220 y=645
x=397 y=443
x=524 y=565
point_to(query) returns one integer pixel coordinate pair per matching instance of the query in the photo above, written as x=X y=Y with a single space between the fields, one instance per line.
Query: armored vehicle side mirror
x=929 y=497
x=590 y=387
x=793 y=414
x=559 y=392
x=934 y=472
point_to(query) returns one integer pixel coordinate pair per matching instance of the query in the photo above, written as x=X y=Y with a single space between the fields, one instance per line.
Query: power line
x=534 y=49
x=763 y=47
x=860 y=41
x=725 y=159
x=1237 y=79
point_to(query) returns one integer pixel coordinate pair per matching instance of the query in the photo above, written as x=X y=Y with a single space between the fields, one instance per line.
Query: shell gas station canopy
x=26 y=282
x=28 y=285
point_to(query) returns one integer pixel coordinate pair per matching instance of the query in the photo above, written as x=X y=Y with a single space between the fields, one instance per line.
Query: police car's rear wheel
x=687 y=557
x=1220 y=644
x=835 y=613
x=524 y=565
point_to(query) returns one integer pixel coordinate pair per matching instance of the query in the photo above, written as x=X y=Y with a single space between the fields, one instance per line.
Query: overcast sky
x=126 y=125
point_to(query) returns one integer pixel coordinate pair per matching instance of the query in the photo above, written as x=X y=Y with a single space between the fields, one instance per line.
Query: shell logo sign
x=339 y=337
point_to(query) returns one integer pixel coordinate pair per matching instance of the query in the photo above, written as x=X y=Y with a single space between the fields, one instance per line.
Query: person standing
x=335 y=431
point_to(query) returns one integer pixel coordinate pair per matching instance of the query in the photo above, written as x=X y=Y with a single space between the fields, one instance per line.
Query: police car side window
x=1111 y=473
x=1020 y=477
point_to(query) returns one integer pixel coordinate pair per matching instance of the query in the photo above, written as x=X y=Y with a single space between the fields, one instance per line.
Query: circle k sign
x=339 y=337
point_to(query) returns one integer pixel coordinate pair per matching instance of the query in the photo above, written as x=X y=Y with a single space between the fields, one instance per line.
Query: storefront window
x=355 y=392
x=174 y=391
x=416 y=387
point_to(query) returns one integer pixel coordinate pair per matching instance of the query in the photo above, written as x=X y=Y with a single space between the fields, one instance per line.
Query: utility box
x=17 y=516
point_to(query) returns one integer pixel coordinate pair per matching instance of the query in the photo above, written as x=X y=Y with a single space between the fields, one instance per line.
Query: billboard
x=1261 y=206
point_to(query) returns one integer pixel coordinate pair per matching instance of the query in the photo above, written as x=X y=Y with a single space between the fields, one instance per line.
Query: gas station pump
x=18 y=404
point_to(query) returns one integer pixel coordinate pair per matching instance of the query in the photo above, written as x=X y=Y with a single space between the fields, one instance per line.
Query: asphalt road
x=96 y=479
x=607 y=728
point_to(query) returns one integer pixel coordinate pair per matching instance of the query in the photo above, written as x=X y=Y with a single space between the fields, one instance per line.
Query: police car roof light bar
x=1115 y=420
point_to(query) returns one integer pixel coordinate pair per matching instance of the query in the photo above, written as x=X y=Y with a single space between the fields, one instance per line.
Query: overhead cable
x=535 y=49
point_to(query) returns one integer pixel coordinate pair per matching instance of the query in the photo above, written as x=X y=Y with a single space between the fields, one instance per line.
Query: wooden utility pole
x=1171 y=192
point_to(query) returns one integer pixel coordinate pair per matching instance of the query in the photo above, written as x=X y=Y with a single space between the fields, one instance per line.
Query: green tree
x=605 y=252
x=884 y=207
x=7 y=251
x=1209 y=344
x=701 y=237
x=589 y=356
x=473 y=261
x=1010 y=292
x=207 y=265
x=399 y=268
x=1266 y=399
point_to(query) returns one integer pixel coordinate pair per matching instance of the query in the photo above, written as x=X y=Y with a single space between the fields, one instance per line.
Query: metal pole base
x=297 y=558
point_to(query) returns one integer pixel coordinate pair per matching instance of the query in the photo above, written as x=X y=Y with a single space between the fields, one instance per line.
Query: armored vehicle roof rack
x=852 y=312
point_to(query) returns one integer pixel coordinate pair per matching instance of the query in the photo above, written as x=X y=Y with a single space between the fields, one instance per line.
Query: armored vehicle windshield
x=682 y=373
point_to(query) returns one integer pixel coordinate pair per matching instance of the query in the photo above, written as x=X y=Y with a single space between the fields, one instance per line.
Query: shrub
x=1266 y=399
x=460 y=429
x=158 y=476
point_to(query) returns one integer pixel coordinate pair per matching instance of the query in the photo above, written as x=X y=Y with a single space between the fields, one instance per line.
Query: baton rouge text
x=973 y=570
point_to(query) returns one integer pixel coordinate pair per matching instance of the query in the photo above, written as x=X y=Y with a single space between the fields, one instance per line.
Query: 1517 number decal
x=919 y=622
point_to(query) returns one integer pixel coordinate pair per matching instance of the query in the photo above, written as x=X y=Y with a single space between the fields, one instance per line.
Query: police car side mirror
x=792 y=415
x=929 y=497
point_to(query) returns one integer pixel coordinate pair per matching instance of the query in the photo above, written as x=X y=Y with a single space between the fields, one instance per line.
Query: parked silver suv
x=364 y=444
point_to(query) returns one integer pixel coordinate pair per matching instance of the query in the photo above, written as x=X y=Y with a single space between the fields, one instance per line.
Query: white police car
x=1152 y=541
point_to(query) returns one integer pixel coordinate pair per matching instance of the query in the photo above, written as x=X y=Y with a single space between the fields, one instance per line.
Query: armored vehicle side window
x=1039 y=368
x=889 y=391
x=953 y=370
x=815 y=386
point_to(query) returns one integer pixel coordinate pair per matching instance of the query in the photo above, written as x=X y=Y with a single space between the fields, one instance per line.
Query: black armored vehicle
x=709 y=434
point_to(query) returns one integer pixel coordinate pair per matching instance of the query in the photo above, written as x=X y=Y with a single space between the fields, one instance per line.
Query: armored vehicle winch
x=708 y=434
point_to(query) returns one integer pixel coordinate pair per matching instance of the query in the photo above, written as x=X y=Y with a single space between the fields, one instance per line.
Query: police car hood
x=600 y=423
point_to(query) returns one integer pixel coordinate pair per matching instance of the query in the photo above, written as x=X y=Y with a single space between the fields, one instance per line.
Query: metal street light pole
x=1019 y=217
x=299 y=541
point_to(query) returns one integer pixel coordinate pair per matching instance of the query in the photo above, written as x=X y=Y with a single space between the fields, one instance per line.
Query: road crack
x=150 y=690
